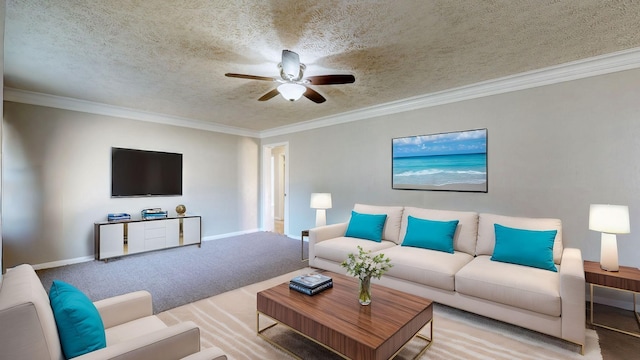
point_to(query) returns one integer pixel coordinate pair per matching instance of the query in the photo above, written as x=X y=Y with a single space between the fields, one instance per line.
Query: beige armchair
x=28 y=329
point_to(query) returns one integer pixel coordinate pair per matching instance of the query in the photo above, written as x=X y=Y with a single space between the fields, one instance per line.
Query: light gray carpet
x=228 y=321
x=182 y=275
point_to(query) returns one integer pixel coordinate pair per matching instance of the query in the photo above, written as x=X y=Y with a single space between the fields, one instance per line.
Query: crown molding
x=35 y=98
x=599 y=65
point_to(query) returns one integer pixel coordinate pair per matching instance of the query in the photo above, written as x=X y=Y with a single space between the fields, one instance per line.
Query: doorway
x=275 y=188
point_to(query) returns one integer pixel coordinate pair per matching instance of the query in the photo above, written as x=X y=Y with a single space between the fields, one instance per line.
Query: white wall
x=552 y=151
x=57 y=179
x=2 y=11
x=278 y=186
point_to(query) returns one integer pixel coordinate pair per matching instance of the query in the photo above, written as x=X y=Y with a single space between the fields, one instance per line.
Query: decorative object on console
x=155 y=213
x=321 y=202
x=455 y=161
x=609 y=220
x=365 y=266
x=118 y=216
x=181 y=209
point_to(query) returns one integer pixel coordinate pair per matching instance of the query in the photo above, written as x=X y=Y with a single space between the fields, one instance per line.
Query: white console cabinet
x=115 y=239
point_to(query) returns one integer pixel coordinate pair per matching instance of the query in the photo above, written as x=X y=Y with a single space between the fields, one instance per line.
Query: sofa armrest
x=124 y=308
x=207 y=354
x=322 y=233
x=572 y=294
x=174 y=342
x=327 y=232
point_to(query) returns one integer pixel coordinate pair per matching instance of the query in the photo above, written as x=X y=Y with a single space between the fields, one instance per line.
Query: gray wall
x=57 y=179
x=552 y=151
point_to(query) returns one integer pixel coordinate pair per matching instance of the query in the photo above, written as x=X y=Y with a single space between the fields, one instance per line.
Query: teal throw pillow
x=366 y=226
x=525 y=247
x=79 y=324
x=430 y=234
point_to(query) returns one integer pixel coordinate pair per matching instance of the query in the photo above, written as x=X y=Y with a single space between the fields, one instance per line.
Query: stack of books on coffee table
x=311 y=284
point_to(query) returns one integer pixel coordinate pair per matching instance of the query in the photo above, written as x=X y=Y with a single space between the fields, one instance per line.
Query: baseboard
x=58 y=263
x=222 y=236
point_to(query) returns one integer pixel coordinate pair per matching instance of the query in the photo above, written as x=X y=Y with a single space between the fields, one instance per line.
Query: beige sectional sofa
x=549 y=302
x=28 y=327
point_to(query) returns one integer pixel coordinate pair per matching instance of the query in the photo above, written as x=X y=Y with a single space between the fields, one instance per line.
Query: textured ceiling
x=170 y=56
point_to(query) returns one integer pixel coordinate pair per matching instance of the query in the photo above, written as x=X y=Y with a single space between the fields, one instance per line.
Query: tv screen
x=145 y=173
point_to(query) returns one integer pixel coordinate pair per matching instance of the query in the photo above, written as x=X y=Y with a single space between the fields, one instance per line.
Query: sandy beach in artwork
x=449 y=187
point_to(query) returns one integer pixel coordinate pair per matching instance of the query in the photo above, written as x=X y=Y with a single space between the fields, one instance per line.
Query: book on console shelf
x=311 y=284
x=154 y=213
x=155 y=216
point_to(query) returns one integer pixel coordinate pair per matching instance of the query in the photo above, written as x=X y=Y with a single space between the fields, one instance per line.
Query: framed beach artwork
x=454 y=161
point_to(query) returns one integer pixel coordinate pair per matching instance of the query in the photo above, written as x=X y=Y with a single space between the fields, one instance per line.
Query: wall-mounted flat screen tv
x=145 y=173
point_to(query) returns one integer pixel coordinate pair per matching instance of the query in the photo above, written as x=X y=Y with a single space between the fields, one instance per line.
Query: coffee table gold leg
x=429 y=340
x=260 y=333
x=635 y=311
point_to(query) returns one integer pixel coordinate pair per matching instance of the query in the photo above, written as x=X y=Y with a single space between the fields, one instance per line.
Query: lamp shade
x=291 y=91
x=610 y=219
x=321 y=201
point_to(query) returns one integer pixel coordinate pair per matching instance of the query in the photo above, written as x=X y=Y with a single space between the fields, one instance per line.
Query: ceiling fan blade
x=331 y=79
x=314 y=96
x=269 y=95
x=291 y=64
x=251 y=77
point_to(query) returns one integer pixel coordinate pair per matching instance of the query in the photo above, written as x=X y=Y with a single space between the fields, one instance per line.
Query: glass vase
x=365 y=290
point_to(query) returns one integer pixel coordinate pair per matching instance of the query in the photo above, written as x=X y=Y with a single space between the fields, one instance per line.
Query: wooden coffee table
x=335 y=319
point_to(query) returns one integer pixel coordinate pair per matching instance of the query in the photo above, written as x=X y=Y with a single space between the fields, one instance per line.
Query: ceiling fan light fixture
x=291 y=91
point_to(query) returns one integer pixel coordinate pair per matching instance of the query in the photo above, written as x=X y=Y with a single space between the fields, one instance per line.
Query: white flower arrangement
x=365 y=265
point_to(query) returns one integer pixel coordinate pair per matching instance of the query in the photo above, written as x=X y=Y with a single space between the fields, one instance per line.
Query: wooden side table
x=304 y=233
x=627 y=280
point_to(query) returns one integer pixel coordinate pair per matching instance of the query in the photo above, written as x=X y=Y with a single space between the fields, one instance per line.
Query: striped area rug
x=228 y=321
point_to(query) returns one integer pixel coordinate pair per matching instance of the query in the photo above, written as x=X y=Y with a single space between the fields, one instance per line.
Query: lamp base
x=321 y=217
x=609 y=252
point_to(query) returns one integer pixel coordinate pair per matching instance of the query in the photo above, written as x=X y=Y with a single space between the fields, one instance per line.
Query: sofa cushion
x=391 y=229
x=79 y=323
x=487 y=237
x=337 y=249
x=428 y=267
x=430 y=234
x=466 y=233
x=519 y=286
x=525 y=247
x=366 y=226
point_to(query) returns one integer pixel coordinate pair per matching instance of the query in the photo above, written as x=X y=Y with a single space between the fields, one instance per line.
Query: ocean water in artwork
x=440 y=170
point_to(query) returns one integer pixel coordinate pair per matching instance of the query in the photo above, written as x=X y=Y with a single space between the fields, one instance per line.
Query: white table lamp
x=321 y=202
x=609 y=220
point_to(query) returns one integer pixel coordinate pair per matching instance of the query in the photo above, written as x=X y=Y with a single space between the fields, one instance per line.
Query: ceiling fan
x=292 y=83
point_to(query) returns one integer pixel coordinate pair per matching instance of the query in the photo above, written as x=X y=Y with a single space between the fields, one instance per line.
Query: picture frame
x=450 y=161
